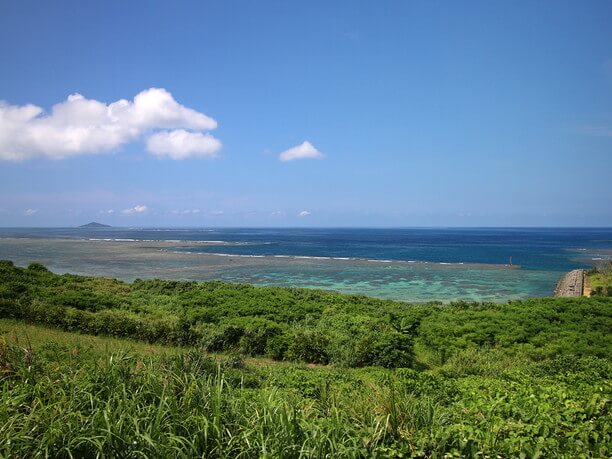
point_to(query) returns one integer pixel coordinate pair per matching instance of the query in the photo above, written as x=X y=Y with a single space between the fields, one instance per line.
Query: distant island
x=95 y=225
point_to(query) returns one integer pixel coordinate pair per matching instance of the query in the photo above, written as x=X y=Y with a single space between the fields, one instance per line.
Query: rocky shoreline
x=571 y=285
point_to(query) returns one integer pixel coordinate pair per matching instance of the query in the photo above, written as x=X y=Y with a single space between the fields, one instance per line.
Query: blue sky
x=413 y=113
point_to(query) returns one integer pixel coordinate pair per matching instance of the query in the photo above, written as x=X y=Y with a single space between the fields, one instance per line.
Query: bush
x=257 y=333
x=390 y=350
x=218 y=338
x=278 y=345
x=308 y=346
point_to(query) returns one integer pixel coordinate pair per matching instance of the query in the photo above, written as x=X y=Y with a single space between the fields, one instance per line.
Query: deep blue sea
x=539 y=256
x=557 y=249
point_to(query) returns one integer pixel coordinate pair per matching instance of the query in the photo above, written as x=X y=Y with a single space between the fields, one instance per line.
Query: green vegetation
x=333 y=375
x=600 y=279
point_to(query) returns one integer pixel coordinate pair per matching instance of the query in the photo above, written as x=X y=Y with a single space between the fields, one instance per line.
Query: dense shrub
x=278 y=345
x=309 y=325
x=308 y=346
x=389 y=350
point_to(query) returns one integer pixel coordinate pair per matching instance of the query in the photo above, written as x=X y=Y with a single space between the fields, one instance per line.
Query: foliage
x=384 y=379
x=600 y=279
x=307 y=325
x=59 y=401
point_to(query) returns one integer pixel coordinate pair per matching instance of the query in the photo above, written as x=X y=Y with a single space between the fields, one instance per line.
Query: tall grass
x=121 y=404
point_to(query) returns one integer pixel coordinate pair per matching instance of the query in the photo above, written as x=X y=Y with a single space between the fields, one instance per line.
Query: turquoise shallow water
x=406 y=264
x=419 y=283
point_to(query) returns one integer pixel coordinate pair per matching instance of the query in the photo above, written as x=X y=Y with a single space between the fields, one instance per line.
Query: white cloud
x=216 y=212
x=30 y=212
x=81 y=126
x=181 y=144
x=303 y=214
x=186 y=211
x=303 y=151
x=135 y=210
x=109 y=211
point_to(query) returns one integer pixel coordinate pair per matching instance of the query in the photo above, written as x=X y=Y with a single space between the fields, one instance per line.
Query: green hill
x=227 y=370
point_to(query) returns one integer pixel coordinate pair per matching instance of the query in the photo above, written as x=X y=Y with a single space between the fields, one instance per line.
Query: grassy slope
x=39 y=337
x=30 y=335
x=599 y=279
x=83 y=395
x=526 y=378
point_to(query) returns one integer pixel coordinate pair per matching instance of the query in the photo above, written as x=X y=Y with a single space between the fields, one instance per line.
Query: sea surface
x=410 y=264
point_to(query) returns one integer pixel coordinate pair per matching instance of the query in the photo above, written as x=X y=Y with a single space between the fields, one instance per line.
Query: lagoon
x=410 y=264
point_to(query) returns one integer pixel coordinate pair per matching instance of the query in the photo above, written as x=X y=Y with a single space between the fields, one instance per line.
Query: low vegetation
x=184 y=369
x=600 y=279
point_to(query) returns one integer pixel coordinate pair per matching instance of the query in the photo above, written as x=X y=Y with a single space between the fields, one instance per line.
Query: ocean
x=409 y=264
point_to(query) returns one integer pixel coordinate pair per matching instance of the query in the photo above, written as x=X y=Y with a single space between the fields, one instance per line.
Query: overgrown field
x=183 y=369
x=600 y=279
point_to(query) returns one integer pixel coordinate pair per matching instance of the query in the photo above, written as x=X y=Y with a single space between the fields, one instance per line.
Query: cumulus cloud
x=303 y=151
x=80 y=126
x=303 y=214
x=140 y=209
x=30 y=212
x=181 y=144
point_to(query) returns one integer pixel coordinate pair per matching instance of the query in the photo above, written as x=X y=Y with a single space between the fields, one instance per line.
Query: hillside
x=276 y=372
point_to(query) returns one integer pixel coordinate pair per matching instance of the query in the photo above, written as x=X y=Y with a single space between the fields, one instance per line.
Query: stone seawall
x=571 y=284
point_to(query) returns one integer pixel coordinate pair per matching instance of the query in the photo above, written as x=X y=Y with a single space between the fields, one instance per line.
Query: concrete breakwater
x=572 y=284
